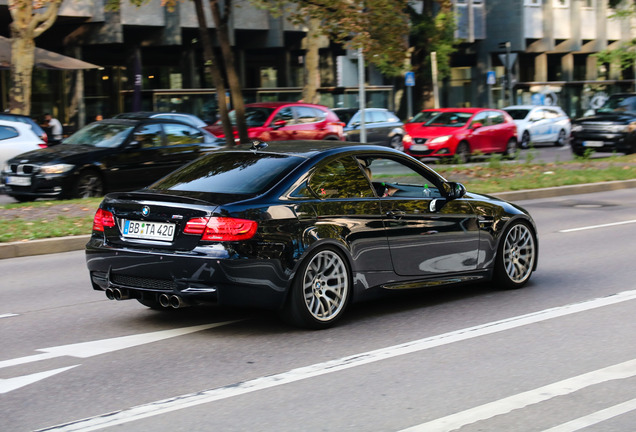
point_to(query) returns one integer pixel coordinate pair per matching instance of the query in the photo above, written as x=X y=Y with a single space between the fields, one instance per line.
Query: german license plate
x=18 y=181
x=593 y=143
x=148 y=230
x=419 y=147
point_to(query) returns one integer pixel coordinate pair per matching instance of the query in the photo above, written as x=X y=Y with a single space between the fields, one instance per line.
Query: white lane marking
x=597 y=226
x=7 y=315
x=7 y=385
x=595 y=418
x=206 y=396
x=103 y=346
x=522 y=400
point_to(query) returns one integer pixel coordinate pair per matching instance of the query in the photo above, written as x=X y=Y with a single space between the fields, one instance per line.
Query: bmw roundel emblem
x=145 y=210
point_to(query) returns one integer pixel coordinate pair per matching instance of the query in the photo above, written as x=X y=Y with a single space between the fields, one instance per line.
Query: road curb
x=72 y=243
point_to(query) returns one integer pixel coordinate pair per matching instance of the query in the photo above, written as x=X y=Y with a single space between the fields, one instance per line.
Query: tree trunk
x=212 y=68
x=312 y=65
x=222 y=32
x=22 y=61
x=25 y=27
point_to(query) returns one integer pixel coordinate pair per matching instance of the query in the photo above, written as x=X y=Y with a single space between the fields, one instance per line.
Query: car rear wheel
x=525 y=140
x=396 y=142
x=88 y=185
x=516 y=256
x=462 y=153
x=560 y=142
x=511 y=149
x=320 y=291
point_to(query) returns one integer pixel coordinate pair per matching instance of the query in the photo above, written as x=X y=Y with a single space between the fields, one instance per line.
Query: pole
x=435 y=86
x=508 y=75
x=361 y=96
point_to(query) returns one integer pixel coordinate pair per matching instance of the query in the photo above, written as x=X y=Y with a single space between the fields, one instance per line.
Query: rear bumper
x=200 y=276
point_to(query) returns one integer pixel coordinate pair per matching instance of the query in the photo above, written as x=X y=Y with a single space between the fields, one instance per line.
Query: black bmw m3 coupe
x=303 y=228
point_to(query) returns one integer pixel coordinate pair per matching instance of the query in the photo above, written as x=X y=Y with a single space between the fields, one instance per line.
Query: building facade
x=549 y=45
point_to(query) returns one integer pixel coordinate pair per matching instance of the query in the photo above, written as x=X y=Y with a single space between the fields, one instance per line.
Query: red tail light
x=221 y=228
x=103 y=219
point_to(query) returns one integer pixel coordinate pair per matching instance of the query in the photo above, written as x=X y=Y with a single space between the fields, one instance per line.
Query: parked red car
x=281 y=121
x=460 y=133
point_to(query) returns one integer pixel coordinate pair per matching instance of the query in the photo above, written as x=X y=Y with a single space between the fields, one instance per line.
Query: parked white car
x=538 y=124
x=16 y=138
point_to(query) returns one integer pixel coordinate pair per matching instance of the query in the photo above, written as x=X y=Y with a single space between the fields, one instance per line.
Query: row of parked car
x=132 y=150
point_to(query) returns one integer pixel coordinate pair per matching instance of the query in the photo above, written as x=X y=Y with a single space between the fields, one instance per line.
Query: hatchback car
x=381 y=126
x=16 y=138
x=304 y=228
x=283 y=121
x=540 y=124
x=109 y=155
x=459 y=133
x=37 y=129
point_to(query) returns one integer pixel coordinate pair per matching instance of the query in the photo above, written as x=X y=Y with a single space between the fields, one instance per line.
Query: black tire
x=561 y=139
x=320 y=291
x=511 y=149
x=462 y=152
x=88 y=185
x=516 y=256
x=396 y=142
x=525 y=140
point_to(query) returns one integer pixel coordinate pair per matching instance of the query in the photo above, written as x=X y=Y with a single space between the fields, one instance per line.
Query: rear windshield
x=100 y=134
x=244 y=173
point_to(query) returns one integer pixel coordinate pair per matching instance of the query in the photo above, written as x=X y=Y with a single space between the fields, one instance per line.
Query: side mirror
x=454 y=190
x=475 y=126
x=279 y=124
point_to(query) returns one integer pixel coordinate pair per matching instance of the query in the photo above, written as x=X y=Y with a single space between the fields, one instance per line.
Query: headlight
x=440 y=139
x=620 y=128
x=577 y=128
x=55 y=169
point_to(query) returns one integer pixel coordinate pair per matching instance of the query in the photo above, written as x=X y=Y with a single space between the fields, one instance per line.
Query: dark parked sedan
x=381 y=126
x=109 y=155
x=304 y=228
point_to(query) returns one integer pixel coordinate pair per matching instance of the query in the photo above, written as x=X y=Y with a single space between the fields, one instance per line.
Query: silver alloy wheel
x=325 y=285
x=396 y=142
x=525 y=140
x=89 y=185
x=519 y=253
x=511 y=149
x=560 y=142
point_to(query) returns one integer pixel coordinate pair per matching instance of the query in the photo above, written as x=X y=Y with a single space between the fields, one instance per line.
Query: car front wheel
x=560 y=142
x=516 y=256
x=88 y=185
x=525 y=140
x=511 y=149
x=320 y=291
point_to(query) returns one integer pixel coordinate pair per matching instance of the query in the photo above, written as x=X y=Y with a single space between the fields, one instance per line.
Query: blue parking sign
x=409 y=79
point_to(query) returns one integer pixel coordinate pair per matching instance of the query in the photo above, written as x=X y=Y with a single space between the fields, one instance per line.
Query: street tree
x=624 y=54
x=432 y=30
x=378 y=27
x=30 y=18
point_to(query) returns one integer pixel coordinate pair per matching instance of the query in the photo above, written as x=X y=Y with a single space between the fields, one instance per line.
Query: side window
x=285 y=114
x=373 y=117
x=340 y=178
x=481 y=117
x=148 y=136
x=177 y=134
x=495 y=118
x=306 y=115
x=320 y=114
x=392 y=178
x=7 y=132
x=537 y=115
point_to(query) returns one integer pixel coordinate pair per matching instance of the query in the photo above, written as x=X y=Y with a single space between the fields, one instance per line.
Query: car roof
x=279 y=104
x=461 y=109
x=16 y=124
x=138 y=120
x=531 y=107
x=310 y=148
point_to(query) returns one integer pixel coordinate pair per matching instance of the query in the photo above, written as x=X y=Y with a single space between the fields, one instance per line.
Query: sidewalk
x=66 y=244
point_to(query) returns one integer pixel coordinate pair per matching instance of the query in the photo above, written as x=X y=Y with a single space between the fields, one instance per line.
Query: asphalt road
x=558 y=355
